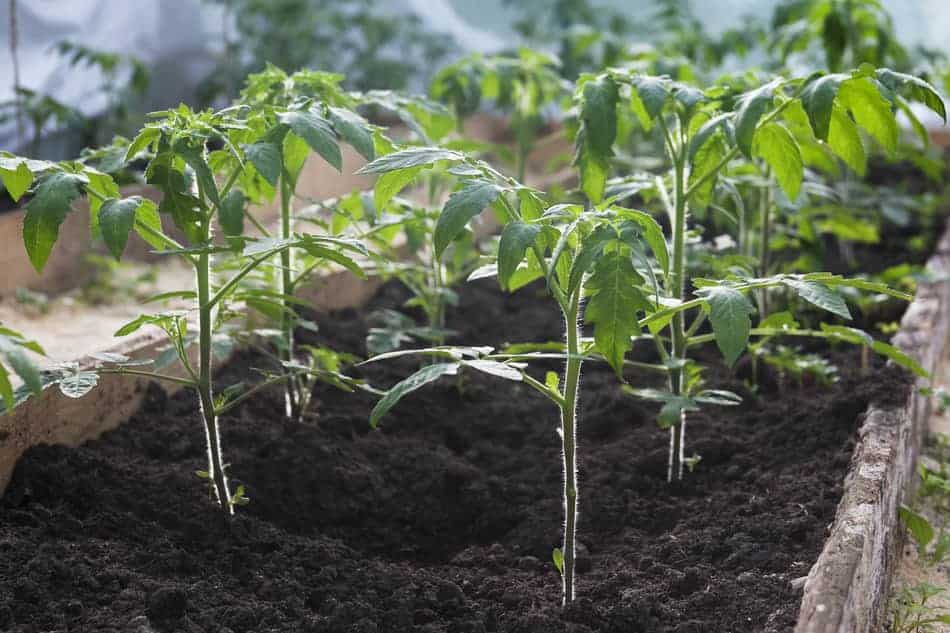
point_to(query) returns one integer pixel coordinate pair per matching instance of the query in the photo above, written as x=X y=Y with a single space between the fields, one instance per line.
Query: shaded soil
x=444 y=519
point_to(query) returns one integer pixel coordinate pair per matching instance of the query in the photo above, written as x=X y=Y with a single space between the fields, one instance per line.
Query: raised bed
x=847 y=589
x=444 y=520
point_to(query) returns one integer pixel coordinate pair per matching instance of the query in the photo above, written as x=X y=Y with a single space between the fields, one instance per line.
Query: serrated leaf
x=16 y=181
x=76 y=383
x=353 y=129
x=729 y=312
x=591 y=249
x=613 y=307
x=116 y=221
x=316 y=131
x=914 y=87
x=652 y=233
x=389 y=184
x=147 y=217
x=516 y=237
x=751 y=107
x=706 y=158
x=462 y=206
x=16 y=357
x=652 y=92
x=777 y=147
x=845 y=141
x=818 y=99
x=821 y=296
x=410 y=157
x=421 y=378
x=495 y=368
x=870 y=110
x=598 y=113
x=231 y=212
x=45 y=212
x=266 y=160
x=918 y=525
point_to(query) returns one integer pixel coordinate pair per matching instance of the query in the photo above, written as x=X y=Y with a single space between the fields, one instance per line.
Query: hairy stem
x=205 y=393
x=766 y=210
x=678 y=324
x=286 y=352
x=569 y=441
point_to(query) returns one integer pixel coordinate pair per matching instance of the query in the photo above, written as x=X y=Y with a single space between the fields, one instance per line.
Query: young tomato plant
x=523 y=86
x=290 y=116
x=594 y=253
x=400 y=236
x=702 y=133
x=179 y=165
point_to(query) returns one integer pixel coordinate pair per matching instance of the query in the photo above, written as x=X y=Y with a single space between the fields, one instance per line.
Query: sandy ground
x=67 y=327
x=913 y=570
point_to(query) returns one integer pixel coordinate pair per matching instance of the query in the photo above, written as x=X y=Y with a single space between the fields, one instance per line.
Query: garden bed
x=444 y=520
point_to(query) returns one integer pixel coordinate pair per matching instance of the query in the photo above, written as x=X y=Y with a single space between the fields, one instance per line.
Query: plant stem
x=678 y=324
x=569 y=442
x=766 y=237
x=286 y=352
x=205 y=393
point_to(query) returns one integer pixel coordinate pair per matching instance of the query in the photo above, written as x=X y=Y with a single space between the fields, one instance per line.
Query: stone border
x=847 y=589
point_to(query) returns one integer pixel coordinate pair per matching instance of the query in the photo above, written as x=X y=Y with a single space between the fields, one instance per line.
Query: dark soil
x=444 y=520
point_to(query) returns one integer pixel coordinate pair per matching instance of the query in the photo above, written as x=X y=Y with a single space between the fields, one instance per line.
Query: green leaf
x=421 y=378
x=266 y=158
x=45 y=212
x=6 y=389
x=706 y=158
x=495 y=368
x=16 y=357
x=318 y=250
x=870 y=110
x=818 y=98
x=751 y=107
x=591 y=249
x=652 y=233
x=75 y=383
x=147 y=217
x=915 y=88
x=231 y=212
x=613 y=306
x=17 y=181
x=918 y=525
x=116 y=221
x=354 y=129
x=729 y=315
x=516 y=237
x=557 y=557
x=598 y=114
x=410 y=157
x=316 y=131
x=390 y=184
x=462 y=206
x=820 y=295
x=195 y=158
x=776 y=145
x=652 y=92
x=845 y=141
x=145 y=138
x=593 y=170
x=707 y=129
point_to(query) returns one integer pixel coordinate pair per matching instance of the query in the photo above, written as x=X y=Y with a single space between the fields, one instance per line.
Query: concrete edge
x=847 y=588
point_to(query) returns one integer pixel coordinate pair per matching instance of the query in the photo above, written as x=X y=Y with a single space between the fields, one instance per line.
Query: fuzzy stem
x=678 y=324
x=205 y=393
x=569 y=441
x=286 y=352
x=766 y=202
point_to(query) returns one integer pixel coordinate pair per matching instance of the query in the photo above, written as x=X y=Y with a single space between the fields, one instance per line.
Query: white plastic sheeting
x=180 y=39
